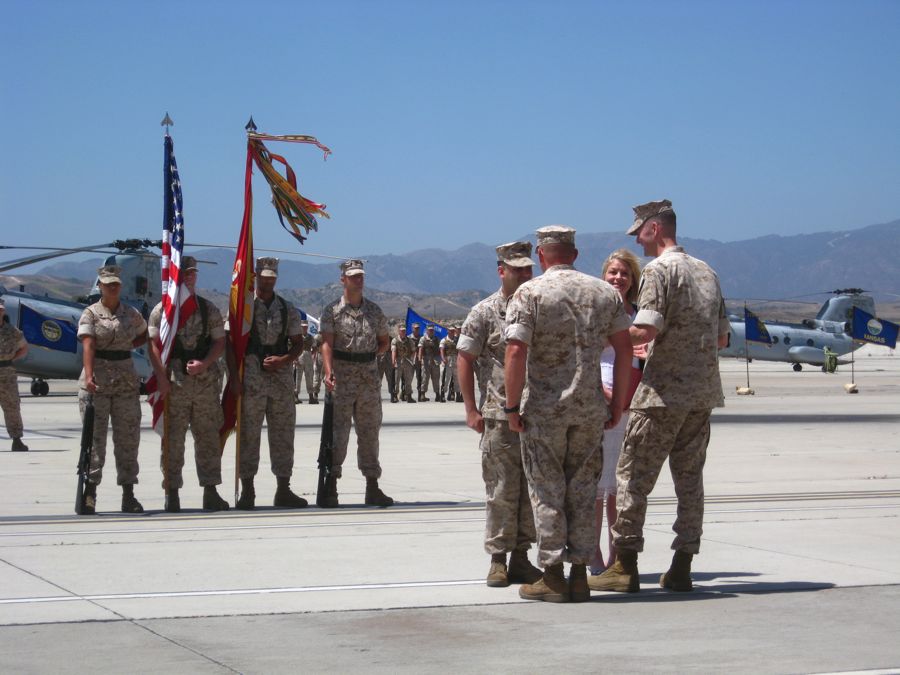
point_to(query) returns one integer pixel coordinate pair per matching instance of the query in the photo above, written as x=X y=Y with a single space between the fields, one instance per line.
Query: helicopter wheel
x=44 y=388
x=35 y=388
x=797 y=367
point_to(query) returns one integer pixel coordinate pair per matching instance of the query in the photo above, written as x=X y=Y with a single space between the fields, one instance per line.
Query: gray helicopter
x=52 y=353
x=805 y=343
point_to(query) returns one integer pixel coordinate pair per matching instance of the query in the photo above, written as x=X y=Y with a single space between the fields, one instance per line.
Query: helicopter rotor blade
x=273 y=250
x=54 y=253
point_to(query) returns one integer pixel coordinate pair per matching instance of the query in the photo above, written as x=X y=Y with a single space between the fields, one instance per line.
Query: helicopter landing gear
x=797 y=367
x=39 y=387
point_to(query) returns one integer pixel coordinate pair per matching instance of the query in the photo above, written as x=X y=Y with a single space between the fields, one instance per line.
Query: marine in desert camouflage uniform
x=430 y=357
x=557 y=326
x=267 y=393
x=304 y=366
x=509 y=521
x=109 y=330
x=680 y=308
x=403 y=357
x=449 y=376
x=12 y=347
x=355 y=332
x=190 y=384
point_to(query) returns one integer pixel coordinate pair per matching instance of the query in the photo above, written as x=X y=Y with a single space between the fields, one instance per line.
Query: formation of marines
x=534 y=347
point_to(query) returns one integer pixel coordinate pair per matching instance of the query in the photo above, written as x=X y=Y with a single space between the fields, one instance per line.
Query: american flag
x=177 y=301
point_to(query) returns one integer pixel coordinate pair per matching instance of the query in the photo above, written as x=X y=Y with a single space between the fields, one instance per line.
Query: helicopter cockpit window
x=140 y=285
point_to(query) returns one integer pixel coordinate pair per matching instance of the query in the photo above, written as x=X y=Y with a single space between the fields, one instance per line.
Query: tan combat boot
x=498 y=577
x=622 y=576
x=552 y=587
x=89 y=499
x=521 y=571
x=678 y=578
x=285 y=498
x=247 y=501
x=212 y=501
x=578 y=583
x=374 y=495
x=130 y=504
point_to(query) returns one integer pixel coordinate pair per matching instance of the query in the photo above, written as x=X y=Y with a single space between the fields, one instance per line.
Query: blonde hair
x=634 y=269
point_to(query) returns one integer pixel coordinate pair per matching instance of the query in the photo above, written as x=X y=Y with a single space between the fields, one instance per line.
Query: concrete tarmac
x=799 y=571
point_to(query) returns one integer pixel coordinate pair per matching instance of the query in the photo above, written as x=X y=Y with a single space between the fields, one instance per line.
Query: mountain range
x=772 y=266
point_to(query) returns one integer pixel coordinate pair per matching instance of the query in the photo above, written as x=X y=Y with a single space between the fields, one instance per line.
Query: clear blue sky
x=451 y=122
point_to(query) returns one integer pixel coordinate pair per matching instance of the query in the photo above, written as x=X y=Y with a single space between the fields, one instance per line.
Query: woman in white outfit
x=622 y=270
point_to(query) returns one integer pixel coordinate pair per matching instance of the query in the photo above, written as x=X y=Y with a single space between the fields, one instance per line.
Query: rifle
x=326 y=494
x=84 y=458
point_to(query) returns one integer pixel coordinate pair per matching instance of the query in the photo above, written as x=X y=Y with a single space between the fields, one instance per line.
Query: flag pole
x=165 y=445
x=237 y=432
x=745 y=391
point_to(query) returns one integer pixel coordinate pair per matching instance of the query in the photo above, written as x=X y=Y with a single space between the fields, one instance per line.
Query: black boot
x=284 y=498
x=374 y=496
x=247 y=502
x=212 y=501
x=173 y=503
x=18 y=445
x=313 y=400
x=129 y=503
x=330 y=499
x=394 y=398
x=89 y=499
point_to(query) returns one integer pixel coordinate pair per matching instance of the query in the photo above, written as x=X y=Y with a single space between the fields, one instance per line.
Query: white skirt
x=612 y=446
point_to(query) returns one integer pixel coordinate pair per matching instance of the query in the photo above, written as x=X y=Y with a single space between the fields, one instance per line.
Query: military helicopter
x=805 y=342
x=52 y=351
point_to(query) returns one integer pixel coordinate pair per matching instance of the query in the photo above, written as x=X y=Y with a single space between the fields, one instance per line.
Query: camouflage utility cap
x=352 y=267
x=267 y=267
x=110 y=274
x=643 y=212
x=556 y=234
x=515 y=254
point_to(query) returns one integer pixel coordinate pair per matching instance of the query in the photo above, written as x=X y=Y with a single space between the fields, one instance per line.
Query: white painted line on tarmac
x=240 y=591
x=426 y=521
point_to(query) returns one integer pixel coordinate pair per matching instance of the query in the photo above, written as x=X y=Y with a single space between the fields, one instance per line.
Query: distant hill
x=765 y=267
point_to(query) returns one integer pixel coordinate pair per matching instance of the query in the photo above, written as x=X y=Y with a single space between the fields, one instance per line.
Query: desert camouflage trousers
x=303 y=368
x=431 y=370
x=272 y=399
x=509 y=522
x=9 y=402
x=124 y=410
x=562 y=463
x=406 y=369
x=357 y=398
x=194 y=403
x=652 y=435
x=449 y=379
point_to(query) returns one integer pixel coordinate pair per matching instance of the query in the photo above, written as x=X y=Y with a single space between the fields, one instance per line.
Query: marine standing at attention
x=557 y=326
x=403 y=357
x=276 y=340
x=430 y=358
x=355 y=332
x=109 y=330
x=190 y=383
x=509 y=519
x=449 y=377
x=680 y=308
x=12 y=347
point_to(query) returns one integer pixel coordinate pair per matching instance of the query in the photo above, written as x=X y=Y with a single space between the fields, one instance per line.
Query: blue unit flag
x=754 y=328
x=45 y=331
x=414 y=317
x=869 y=328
